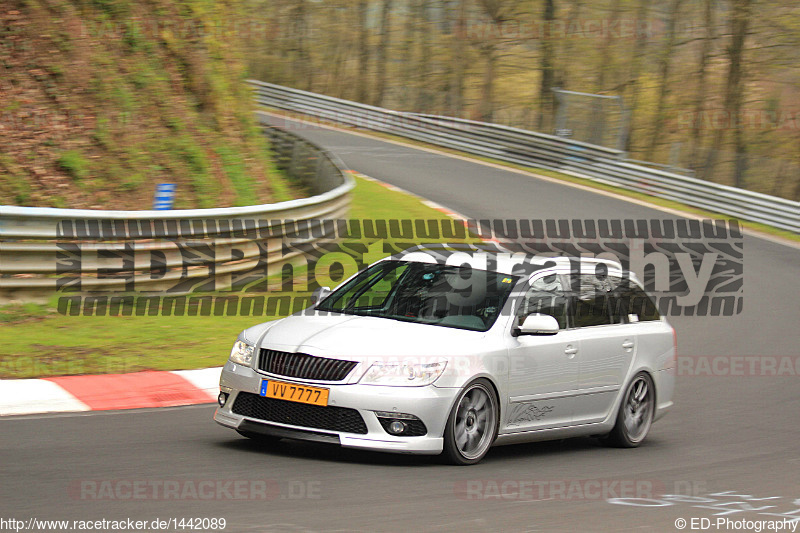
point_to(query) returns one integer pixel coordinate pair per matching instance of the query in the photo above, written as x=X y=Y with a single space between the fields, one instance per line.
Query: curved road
x=731 y=443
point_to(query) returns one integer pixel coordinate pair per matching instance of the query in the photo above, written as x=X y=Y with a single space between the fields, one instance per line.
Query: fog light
x=397 y=427
x=401 y=424
x=222 y=398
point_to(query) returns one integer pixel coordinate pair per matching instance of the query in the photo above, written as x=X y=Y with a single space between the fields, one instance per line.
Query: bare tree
x=598 y=119
x=342 y=47
x=408 y=56
x=606 y=55
x=363 y=52
x=636 y=64
x=734 y=89
x=383 y=51
x=458 y=54
x=300 y=18
x=493 y=9
x=547 y=65
x=568 y=48
x=425 y=92
x=702 y=73
x=665 y=63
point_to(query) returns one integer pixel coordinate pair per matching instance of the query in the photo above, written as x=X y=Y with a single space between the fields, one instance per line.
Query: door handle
x=627 y=345
x=570 y=351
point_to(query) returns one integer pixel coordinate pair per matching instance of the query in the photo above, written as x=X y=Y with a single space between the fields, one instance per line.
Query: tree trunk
x=568 y=49
x=665 y=63
x=637 y=61
x=409 y=33
x=605 y=52
x=796 y=193
x=383 y=51
x=457 y=66
x=492 y=9
x=363 y=53
x=797 y=188
x=546 y=107
x=487 y=87
x=598 y=119
x=299 y=56
x=739 y=23
x=700 y=96
x=340 y=53
x=423 y=104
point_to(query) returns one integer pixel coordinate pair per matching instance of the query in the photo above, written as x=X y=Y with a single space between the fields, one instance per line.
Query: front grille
x=299 y=414
x=304 y=366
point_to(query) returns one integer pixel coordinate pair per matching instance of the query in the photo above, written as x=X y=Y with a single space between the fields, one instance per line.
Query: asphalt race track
x=730 y=447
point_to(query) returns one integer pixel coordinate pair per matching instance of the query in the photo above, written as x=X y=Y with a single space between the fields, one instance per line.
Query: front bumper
x=430 y=404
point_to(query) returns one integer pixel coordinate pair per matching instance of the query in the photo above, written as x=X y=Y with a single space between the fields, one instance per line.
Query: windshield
x=450 y=296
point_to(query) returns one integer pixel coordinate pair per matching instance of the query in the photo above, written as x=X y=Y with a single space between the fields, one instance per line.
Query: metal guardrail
x=539 y=150
x=162 y=250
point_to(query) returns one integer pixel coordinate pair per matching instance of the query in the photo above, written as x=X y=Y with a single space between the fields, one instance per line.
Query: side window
x=597 y=302
x=545 y=296
x=369 y=290
x=634 y=301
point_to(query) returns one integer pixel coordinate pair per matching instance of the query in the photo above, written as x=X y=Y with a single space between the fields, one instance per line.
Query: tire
x=635 y=414
x=472 y=425
x=259 y=437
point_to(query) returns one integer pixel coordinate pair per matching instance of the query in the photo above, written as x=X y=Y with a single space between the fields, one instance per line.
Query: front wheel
x=472 y=424
x=635 y=414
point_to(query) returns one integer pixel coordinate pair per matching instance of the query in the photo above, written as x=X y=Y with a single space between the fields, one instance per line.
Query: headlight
x=399 y=374
x=242 y=353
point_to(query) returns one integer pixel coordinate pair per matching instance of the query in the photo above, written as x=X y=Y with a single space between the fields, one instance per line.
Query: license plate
x=294 y=393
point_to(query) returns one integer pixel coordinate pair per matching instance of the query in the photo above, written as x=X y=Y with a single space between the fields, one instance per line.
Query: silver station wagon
x=451 y=349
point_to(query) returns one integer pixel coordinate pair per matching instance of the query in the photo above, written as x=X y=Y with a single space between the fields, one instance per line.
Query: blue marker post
x=165 y=196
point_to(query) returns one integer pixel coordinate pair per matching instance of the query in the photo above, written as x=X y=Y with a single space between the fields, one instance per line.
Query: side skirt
x=582 y=430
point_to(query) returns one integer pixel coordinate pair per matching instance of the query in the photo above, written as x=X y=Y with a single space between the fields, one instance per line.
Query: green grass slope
x=100 y=100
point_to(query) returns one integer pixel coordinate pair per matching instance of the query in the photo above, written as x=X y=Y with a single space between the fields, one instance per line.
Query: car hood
x=363 y=338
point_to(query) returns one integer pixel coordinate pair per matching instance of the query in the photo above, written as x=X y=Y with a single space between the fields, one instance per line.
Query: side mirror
x=537 y=324
x=319 y=294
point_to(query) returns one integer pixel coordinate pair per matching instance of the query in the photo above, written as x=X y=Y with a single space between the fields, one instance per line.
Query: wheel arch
x=501 y=408
x=624 y=387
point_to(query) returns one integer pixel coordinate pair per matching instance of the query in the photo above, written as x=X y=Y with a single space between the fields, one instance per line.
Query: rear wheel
x=635 y=415
x=472 y=424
